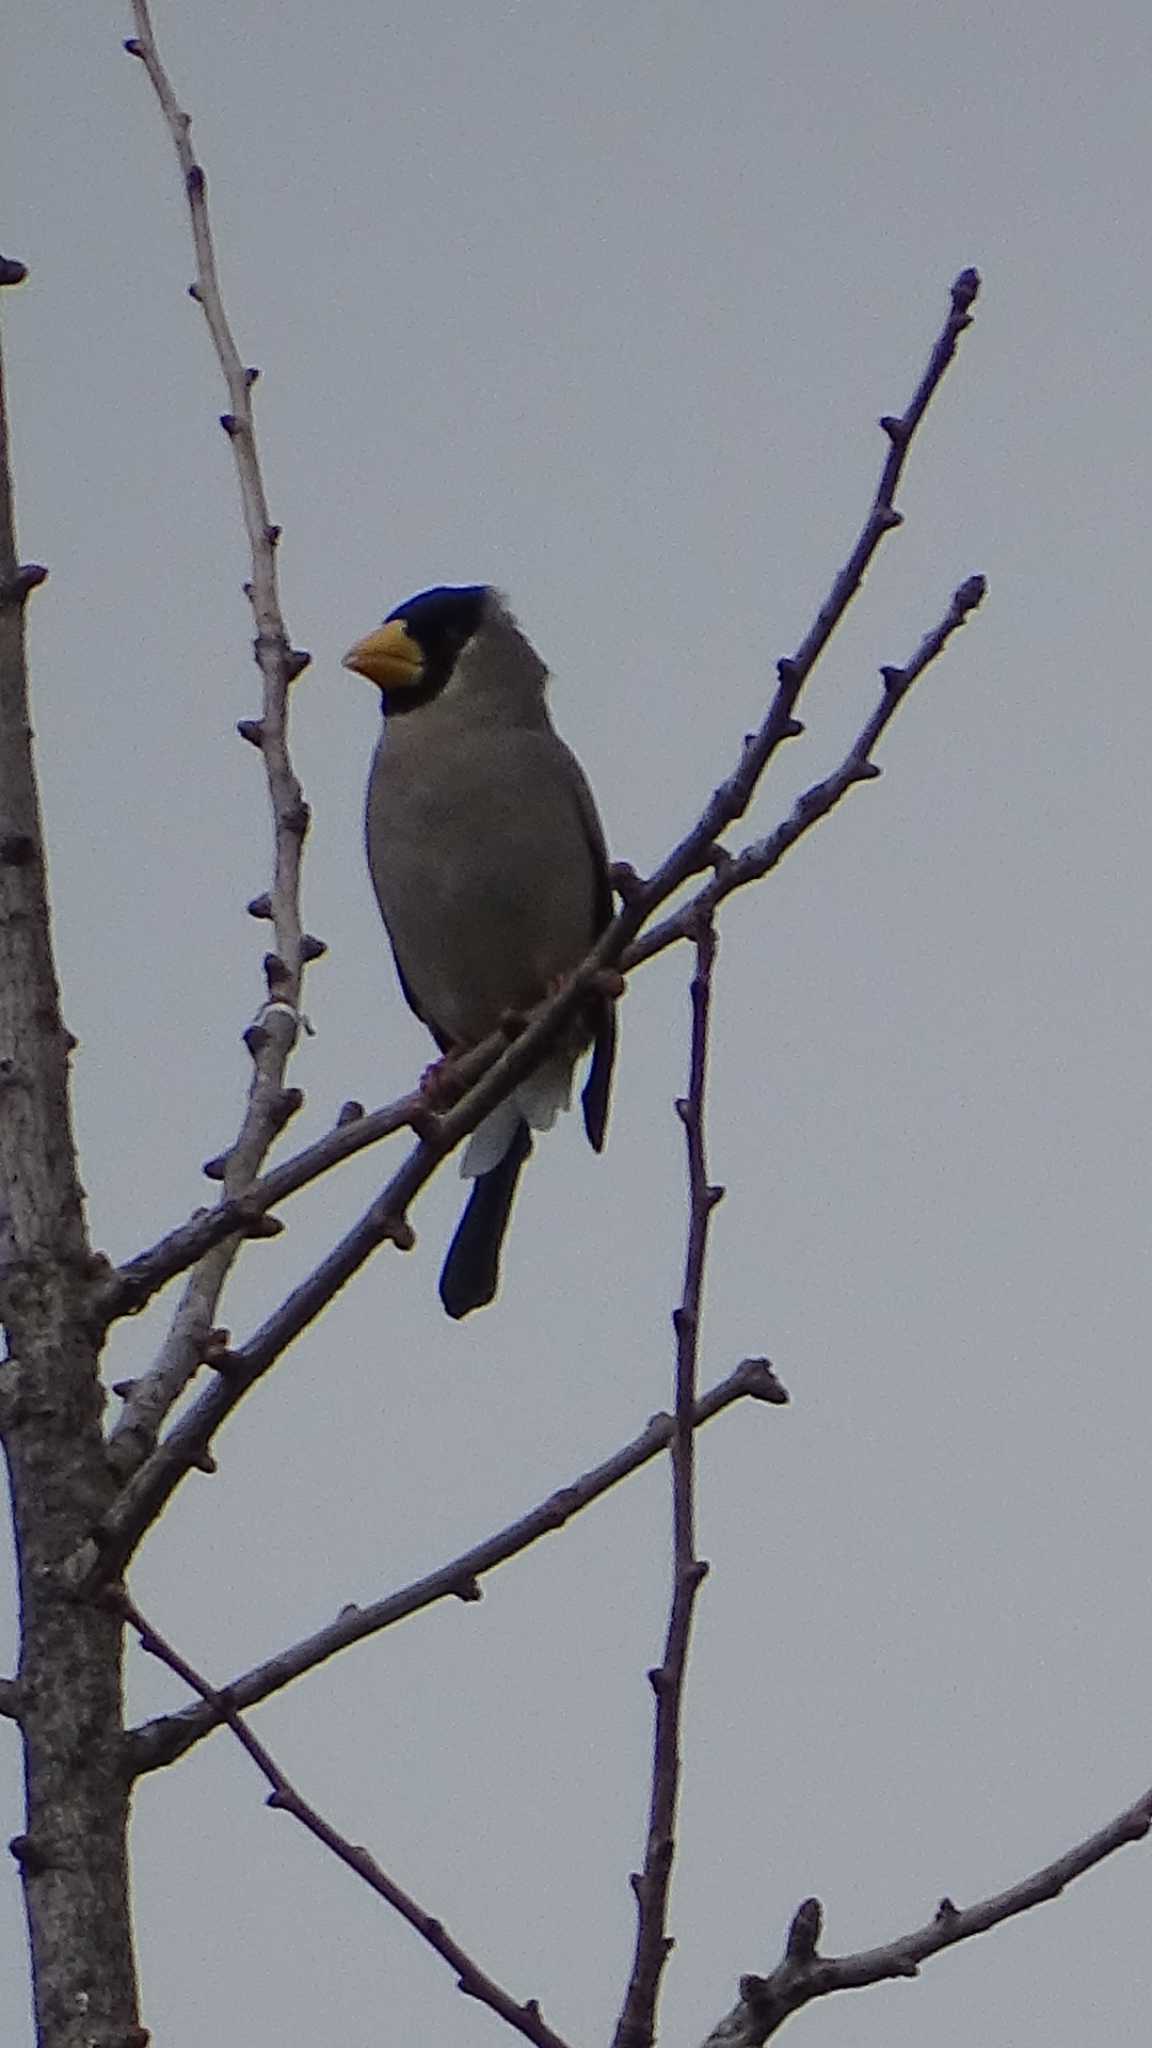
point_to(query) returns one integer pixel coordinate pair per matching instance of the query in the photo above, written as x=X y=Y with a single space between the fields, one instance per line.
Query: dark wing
x=429 y=1023
x=601 y=1010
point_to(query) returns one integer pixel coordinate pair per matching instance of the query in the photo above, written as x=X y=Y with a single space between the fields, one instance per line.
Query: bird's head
x=412 y=655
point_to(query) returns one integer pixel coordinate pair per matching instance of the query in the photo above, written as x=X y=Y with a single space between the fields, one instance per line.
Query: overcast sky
x=601 y=303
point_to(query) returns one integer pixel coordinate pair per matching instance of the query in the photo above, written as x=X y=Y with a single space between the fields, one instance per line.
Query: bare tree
x=85 y=1496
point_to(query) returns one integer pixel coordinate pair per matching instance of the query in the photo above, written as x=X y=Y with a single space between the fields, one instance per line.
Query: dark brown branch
x=766 y=2002
x=160 y=1742
x=474 y=1982
x=272 y=1036
x=637 y=2023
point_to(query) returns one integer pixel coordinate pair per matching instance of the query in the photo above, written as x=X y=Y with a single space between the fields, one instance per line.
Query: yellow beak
x=389 y=657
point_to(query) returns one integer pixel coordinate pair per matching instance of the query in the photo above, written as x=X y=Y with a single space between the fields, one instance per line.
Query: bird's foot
x=608 y=981
x=625 y=881
x=440 y=1084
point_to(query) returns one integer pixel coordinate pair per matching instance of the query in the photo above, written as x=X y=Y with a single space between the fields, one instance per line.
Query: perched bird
x=489 y=866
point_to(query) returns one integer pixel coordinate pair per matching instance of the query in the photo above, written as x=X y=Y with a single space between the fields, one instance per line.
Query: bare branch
x=474 y=1982
x=637 y=2023
x=758 y=859
x=271 y=1037
x=128 y=1288
x=766 y=2002
x=161 y=1741
x=9 y=1699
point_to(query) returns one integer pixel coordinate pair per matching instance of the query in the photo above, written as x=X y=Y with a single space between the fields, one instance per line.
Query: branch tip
x=971 y=593
x=263 y=1225
x=804 y=1933
x=623 y=878
x=28 y=577
x=762 y=1383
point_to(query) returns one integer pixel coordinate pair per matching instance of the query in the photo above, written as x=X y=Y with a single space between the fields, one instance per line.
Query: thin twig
x=766 y=2002
x=525 y=2018
x=272 y=1035
x=637 y=2023
x=161 y=1741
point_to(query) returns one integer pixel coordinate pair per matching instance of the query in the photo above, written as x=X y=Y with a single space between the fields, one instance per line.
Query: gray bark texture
x=72 y=1854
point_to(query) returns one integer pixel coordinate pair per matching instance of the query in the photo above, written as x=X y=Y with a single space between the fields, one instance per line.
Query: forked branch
x=161 y=1741
x=804 y=1974
x=526 y=2018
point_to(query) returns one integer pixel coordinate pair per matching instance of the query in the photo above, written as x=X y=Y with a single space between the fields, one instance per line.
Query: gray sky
x=601 y=304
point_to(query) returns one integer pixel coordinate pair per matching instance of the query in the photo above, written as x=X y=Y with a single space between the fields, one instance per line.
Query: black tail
x=471 y=1271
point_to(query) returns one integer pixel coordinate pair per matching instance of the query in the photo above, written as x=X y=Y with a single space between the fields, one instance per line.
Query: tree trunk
x=73 y=1853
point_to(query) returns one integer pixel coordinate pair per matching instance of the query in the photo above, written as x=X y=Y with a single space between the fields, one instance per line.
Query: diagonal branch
x=272 y=1036
x=766 y=2002
x=161 y=1741
x=637 y=2024
x=474 y=1982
